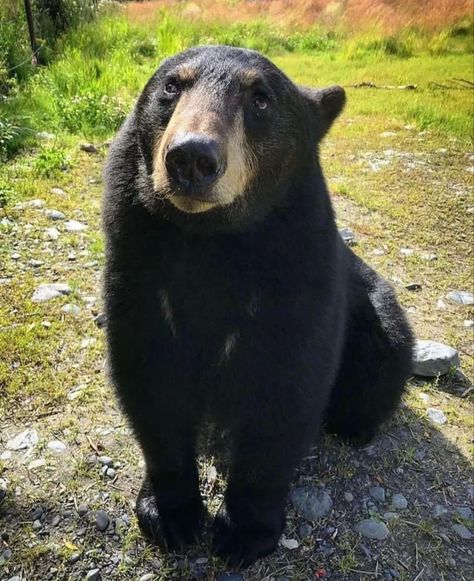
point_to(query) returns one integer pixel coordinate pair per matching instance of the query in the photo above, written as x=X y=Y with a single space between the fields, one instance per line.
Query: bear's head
x=224 y=134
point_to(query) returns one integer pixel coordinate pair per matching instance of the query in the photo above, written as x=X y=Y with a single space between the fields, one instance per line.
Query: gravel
x=46 y=292
x=461 y=297
x=378 y=493
x=101 y=520
x=399 y=502
x=75 y=226
x=462 y=531
x=23 y=441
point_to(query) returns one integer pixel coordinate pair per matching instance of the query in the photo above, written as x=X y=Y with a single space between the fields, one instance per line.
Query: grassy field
x=400 y=166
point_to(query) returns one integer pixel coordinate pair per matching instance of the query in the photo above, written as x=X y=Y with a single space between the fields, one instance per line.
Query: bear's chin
x=192 y=205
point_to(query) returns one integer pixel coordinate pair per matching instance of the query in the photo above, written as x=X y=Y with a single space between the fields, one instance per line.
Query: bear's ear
x=326 y=104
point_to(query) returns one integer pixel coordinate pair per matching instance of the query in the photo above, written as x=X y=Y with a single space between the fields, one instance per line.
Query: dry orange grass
x=354 y=15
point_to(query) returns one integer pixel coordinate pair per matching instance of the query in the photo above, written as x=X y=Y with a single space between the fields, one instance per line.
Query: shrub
x=51 y=161
x=90 y=113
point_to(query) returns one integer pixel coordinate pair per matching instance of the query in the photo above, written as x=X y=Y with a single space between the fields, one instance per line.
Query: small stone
x=407 y=251
x=71 y=256
x=147 y=577
x=35 y=263
x=372 y=529
x=437 y=416
x=37 y=513
x=51 y=233
x=462 y=532
x=46 y=292
x=388 y=134
x=37 y=525
x=101 y=520
x=93 y=575
x=388 y=516
x=89 y=148
x=36 y=204
x=74 y=558
x=305 y=530
x=57 y=446
x=55 y=520
x=74 y=226
x=58 y=192
x=464 y=512
x=15 y=256
x=82 y=510
x=290 y=544
x=105 y=460
x=429 y=256
x=378 y=493
x=413 y=286
x=348 y=496
x=310 y=502
x=54 y=215
x=399 y=502
x=33 y=465
x=348 y=236
x=15 y=578
x=111 y=473
x=7 y=554
x=71 y=309
x=439 y=510
x=468 y=324
x=6 y=455
x=432 y=358
x=461 y=297
x=23 y=441
x=100 y=320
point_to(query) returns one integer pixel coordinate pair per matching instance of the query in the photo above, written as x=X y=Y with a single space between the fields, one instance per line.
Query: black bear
x=231 y=297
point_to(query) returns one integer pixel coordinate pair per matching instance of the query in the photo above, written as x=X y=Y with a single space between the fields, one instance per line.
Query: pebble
x=23 y=441
x=461 y=297
x=147 y=577
x=74 y=558
x=93 y=575
x=439 y=510
x=437 y=416
x=348 y=236
x=58 y=192
x=34 y=464
x=74 y=226
x=6 y=455
x=89 y=148
x=399 y=502
x=464 y=512
x=388 y=516
x=57 y=446
x=305 y=530
x=54 y=215
x=432 y=358
x=35 y=263
x=290 y=544
x=100 y=320
x=310 y=502
x=468 y=324
x=101 y=520
x=37 y=513
x=82 y=510
x=406 y=251
x=110 y=473
x=37 y=204
x=105 y=460
x=55 y=520
x=71 y=309
x=37 y=525
x=15 y=256
x=348 y=496
x=15 y=578
x=462 y=532
x=51 y=233
x=372 y=529
x=429 y=256
x=413 y=286
x=72 y=256
x=46 y=292
x=378 y=493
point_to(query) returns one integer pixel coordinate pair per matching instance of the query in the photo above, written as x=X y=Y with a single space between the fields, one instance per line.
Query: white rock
x=388 y=134
x=437 y=416
x=432 y=358
x=51 y=233
x=407 y=251
x=24 y=440
x=6 y=455
x=75 y=226
x=461 y=297
x=468 y=323
x=290 y=544
x=46 y=292
x=58 y=192
x=54 y=215
x=71 y=309
x=57 y=446
x=36 y=204
x=37 y=464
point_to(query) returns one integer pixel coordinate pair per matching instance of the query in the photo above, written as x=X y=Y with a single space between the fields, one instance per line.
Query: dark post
x=31 y=30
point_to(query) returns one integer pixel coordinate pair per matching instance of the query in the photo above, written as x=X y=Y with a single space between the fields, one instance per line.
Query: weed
x=51 y=161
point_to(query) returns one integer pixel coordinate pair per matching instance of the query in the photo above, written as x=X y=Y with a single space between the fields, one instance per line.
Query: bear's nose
x=193 y=160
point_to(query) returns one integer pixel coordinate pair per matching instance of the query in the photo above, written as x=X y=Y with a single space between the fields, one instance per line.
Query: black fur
x=314 y=335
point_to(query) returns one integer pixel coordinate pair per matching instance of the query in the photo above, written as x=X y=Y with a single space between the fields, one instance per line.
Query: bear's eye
x=171 y=89
x=260 y=102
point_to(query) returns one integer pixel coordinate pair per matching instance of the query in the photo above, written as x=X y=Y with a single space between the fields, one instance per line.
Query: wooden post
x=31 y=30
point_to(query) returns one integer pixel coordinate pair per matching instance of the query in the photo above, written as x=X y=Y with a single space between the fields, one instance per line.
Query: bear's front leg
x=268 y=447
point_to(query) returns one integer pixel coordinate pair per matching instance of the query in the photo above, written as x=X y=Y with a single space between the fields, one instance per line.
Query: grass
x=397 y=163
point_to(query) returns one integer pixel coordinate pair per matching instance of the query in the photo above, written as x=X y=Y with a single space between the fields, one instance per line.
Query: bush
x=51 y=161
x=90 y=113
